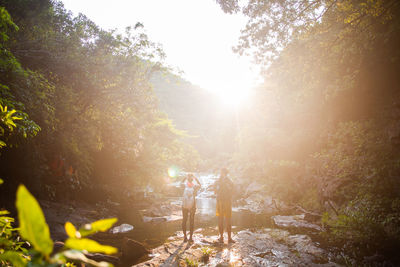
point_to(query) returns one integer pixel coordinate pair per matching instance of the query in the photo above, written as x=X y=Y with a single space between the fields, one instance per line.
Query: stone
x=132 y=251
x=262 y=247
x=294 y=221
x=58 y=246
x=101 y=257
x=123 y=228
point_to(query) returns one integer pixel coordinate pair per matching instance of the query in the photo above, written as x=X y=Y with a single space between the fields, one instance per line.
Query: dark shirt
x=224 y=189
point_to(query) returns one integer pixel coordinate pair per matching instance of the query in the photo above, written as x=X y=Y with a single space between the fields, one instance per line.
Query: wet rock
x=58 y=246
x=101 y=257
x=123 y=228
x=154 y=219
x=162 y=209
x=294 y=221
x=265 y=247
x=259 y=203
x=162 y=212
x=132 y=251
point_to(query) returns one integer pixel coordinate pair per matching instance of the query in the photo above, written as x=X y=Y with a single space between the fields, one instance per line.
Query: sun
x=233 y=97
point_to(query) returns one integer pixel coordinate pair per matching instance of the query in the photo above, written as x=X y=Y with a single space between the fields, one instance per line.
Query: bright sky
x=197 y=37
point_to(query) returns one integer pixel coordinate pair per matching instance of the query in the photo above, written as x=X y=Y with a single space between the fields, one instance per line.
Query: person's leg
x=220 y=216
x=221 y=227
x=184 y=219
x=191 y=221
x=229 y=229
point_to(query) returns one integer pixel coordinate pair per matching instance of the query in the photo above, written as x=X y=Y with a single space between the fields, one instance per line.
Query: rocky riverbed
x=256 y=247
x=267 y=232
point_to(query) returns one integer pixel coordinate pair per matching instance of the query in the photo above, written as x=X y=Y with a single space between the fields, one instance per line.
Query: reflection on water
x=205 y=206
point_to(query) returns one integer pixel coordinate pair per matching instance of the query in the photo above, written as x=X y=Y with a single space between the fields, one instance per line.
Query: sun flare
x=233 y=98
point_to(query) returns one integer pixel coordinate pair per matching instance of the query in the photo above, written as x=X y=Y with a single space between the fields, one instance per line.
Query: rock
x=132 y=250
x=123 y=228
x=172 y=191
x=58 y=246
x=154 y=219
x=312 y=217
x=252 y=188
x=57 y=231
x=294 y=221
x=259 y=203
x=161 y=209
x=264 y=247
x=101 y=257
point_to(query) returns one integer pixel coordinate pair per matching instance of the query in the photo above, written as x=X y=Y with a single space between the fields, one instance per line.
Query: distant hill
x=197 y=111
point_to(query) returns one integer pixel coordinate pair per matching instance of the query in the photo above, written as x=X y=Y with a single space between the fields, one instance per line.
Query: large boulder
x=132 y=251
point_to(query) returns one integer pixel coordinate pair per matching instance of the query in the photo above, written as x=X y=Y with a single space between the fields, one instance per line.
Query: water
x=154 y=234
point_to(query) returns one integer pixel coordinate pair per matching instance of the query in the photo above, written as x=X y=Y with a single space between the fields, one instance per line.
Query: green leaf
x=89 y=245
x=79 y=256
x=14 y=258
x=97 y=226
x=33 y=226
x=4 y=212
x=71 y=230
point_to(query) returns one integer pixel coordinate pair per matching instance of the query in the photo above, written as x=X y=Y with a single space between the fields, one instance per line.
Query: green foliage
x=6 y=24
x=11 y=248
x=191 y=262
x=97 y=226
x=206 y=250
x=359 y=168
x=34 y=229
x=90 y=92
x=33 y=225
x=329 y=103
x=14 y=121
x=14 y=258
x=89 y=245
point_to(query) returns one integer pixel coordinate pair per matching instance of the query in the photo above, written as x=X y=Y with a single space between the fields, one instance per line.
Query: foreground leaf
x=79 y=256
x=4 y=212
x=97 y=226
x=14 y=258
x=89 y=245
x=71 y=230
x=33 y=226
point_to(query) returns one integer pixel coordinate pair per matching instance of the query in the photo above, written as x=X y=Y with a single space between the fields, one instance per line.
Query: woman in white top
x=191 y=186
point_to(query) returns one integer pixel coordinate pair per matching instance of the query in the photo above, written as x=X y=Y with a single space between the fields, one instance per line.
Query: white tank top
x=188 y=197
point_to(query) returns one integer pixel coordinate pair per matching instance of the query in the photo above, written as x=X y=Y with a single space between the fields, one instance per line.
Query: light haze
x=196 y=35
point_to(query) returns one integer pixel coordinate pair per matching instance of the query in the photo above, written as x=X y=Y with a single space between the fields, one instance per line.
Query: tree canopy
x=88 y=91
x=324 y=127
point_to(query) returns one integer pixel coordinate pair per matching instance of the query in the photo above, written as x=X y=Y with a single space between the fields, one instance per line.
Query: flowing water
x=156 y=233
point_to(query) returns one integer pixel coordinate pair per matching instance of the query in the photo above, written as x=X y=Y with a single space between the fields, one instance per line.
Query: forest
x=91 y=116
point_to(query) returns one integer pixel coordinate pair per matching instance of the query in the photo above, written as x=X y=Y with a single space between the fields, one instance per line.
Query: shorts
x=224 y=208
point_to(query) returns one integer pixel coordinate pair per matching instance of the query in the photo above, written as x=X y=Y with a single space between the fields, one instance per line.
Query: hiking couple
x=223 y=188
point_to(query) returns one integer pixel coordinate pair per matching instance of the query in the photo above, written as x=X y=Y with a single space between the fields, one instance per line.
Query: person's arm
x=197 y=180
x=183 y=182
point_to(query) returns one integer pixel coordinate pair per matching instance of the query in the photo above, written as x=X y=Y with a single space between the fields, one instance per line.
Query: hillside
x=196 y=111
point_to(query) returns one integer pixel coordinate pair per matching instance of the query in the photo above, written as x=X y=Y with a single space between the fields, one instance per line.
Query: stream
x=261 y=239
x=155 y=233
